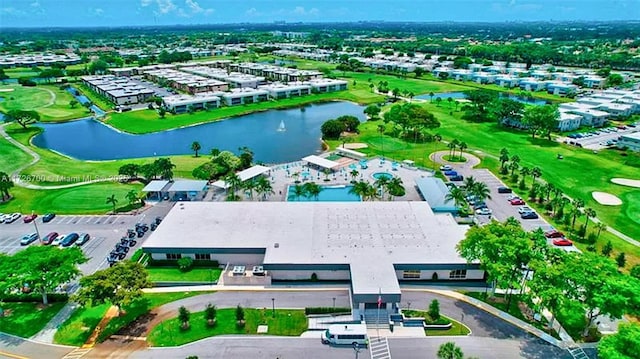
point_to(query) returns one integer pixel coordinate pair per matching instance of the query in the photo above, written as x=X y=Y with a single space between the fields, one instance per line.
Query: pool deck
x=283 y=175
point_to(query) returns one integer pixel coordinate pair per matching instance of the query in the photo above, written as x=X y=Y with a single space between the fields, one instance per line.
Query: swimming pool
x=379 y=175
x=328 y=194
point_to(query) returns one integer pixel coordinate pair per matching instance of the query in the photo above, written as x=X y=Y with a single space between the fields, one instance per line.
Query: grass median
x=284 y=323
x=25 y=319
x=169 y=274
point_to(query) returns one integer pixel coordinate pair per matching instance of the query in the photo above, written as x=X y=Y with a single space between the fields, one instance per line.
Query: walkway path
x=36 y=157
x=46 y=334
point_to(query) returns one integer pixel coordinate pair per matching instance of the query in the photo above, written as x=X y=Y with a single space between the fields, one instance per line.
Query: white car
x=483 y=211
x=445 y=168
x=524 y=209
x=10 y=218
x=58 y=240
x=2 y=217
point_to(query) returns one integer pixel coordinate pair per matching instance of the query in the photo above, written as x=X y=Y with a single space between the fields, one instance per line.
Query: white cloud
x=11 y=11
x=300 y=10
x=253 y=12
x=145 y=3
x=194 y=6
x=98 y=12
x=166 y=6
x=35 y=4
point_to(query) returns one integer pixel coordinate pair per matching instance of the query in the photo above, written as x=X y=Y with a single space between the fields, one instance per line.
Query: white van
x=346 y=334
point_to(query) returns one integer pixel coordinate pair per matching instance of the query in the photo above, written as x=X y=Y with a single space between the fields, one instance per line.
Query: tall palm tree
x=381 y=184
x=395 y=187
x=132 y=197
x=462 y=146
x=600 y=227
x=504 y=158
x=264 y=187
x=250 y=186
x=468 y=184
x=452 y=146
x=449 y=350
x=458 y=197
x=431 y=94
x=536 y=172
x=112 y=200
x=436 y=138
x=354 y=174
x=234 y=182
x=513 y=166
x=589 y=213
x=360 y=188
x=381 y=129
x=298 y=191
x=576 y=211
x=547 y=189
x=481 y=191
x=312 y=189
x=195 y=147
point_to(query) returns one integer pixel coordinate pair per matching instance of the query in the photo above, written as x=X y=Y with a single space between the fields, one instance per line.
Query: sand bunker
x=355 y=146
x=626 y=182
x=606 y=199
x=6 y=90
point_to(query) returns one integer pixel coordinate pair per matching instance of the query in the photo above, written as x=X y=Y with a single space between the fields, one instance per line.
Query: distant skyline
x=89 y=13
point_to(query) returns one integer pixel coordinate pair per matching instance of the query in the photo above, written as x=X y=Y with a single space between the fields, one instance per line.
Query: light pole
x=273 y=307
x=461 y=321
x=408 y=305
x=36 y=227
x=356 y=348
x=334 y=304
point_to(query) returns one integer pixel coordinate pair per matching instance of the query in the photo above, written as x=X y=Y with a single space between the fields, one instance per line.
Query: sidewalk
x=247 y=288
x=500 y=314
x=46 y=334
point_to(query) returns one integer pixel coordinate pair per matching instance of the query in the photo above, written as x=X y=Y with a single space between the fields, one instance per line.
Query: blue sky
x=44 y=13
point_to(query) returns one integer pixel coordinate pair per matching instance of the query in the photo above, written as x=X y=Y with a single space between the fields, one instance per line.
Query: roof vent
x=276 y=245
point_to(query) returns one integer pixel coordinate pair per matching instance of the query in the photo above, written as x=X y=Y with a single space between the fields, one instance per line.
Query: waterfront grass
x=51 y=103
x=98 y=100
x=147 y=121
x=174 y=274
x=25 y=319
x=140 y=307
x=284 y=323
x=12 y=157
x=55 y=169
x=409 y=83
x=77 y=329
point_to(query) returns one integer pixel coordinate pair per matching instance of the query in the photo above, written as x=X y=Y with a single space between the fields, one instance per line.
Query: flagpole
x=379 y=304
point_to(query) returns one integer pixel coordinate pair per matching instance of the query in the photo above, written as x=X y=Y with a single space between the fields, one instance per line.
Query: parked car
x=504 y=190
x=10 y=218
x=450 y=173
x=48 y=217
x=2 y=217
x=516 y=202
x=524 y=209
x=70 y=239
x=153 y=226
x=82 y=239
x=562 y=242
x=49 y=238
x=553 y=234
x=479 y=205
x=28 y=239
x=142 y=226
x=158 y=220
x=483 y=211
x=30 y=218
x=131 y=233
x=529 y=215
x=445 y=168
x=58 y=240
x=456 y=178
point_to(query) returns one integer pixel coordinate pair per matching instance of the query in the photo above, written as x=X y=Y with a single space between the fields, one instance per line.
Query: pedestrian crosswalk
x=379 y=348
x=578 y=353
x=77 y=353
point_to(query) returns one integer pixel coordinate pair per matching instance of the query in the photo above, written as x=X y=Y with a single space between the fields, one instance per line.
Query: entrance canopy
x=350 y=153
x=244 y=175
x=155 y=186
x=321 y=162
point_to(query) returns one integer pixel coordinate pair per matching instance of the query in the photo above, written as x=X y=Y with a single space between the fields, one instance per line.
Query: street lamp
x=334 y=304
x=36 y=227
x=273 y=307
x=408 y=305
x=356 y=348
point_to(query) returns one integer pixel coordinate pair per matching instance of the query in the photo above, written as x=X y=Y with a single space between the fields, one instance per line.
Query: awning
x=244 y=175
x=321 y=162
x=155 y=186
x=188 y=186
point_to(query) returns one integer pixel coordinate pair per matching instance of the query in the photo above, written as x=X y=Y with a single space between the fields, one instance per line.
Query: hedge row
x=174 y=263
x=34 y=297
x=325 y=310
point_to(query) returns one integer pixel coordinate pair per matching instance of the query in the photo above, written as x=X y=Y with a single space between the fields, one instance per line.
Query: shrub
x=607 y=249
x=34 y=297
x=621 y=260
x=582 y=231
x=325 y=310
x=185 y=263
x=240 y=323
x=183 y=315
x=210 y=313
x=591 y=238
x=591 y=248
x=434 y=310
x=314 y=277
x=635 y=271
x=434 y=276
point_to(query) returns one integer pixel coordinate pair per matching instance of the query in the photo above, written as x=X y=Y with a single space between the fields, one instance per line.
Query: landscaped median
x=285 y=322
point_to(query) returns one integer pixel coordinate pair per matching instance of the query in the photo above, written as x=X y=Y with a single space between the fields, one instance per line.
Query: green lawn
x=140 y=307
x=456 y=329
x=20 y=72
x=54 y=169
x=285 y=323
x=12 y=157
x=147 y=121
x=168 y=274
x=77 y=329
x=417 y=86
x=25 y=319
x=100 y=101
x=49 y=101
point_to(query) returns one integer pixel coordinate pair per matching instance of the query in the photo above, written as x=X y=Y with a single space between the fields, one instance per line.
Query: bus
x=348 y=334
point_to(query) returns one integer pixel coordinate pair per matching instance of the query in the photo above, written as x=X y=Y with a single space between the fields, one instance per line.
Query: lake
x=91 y=140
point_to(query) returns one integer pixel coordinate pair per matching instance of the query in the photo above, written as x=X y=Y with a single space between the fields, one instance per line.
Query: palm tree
x=513 y=221
x=481 y=191
x=431 y=94
x=395 y=187
x=457 y=195
x=381 y=184
x=312 y=189
x=589 y=213
x=450 y=101
x=600 y=227
x=132 y=197
x=438 y=101
x=515 y=164
x=250 y=186
x=469 y=183
x=112 y=200
x=436 y=138
x=371 y=86
x=452 y=146
x=547 y=189
x=463 y=146
x=360 y=188
x=504 y=158
x=354 y=174
x=233 y=181
x=5 y=184
x=381 y=130
x=536 y=172
x=449 y=350
x=195 y=147
x=298 y=191
x=576 y=211
x=263 y=187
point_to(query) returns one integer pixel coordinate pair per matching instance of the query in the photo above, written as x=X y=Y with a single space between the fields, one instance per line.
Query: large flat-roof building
x=119 y=90
x=630 y=141
x=374 y=245
x=184 y=103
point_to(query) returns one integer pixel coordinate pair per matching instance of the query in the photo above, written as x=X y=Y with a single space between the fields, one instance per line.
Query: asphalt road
x=25 y=348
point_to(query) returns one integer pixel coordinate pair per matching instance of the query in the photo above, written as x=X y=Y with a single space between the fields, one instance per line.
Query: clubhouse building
x=373 y=245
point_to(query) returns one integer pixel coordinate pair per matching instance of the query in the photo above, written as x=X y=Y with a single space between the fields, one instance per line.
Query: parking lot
x=597 y=139
x=499 y=202
x=105 y=232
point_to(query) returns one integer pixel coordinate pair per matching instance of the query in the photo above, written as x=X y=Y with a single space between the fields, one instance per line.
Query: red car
x=49 y=238
x=516 y=202
x=562 y=242
x=553 y=234
x=29 y=218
